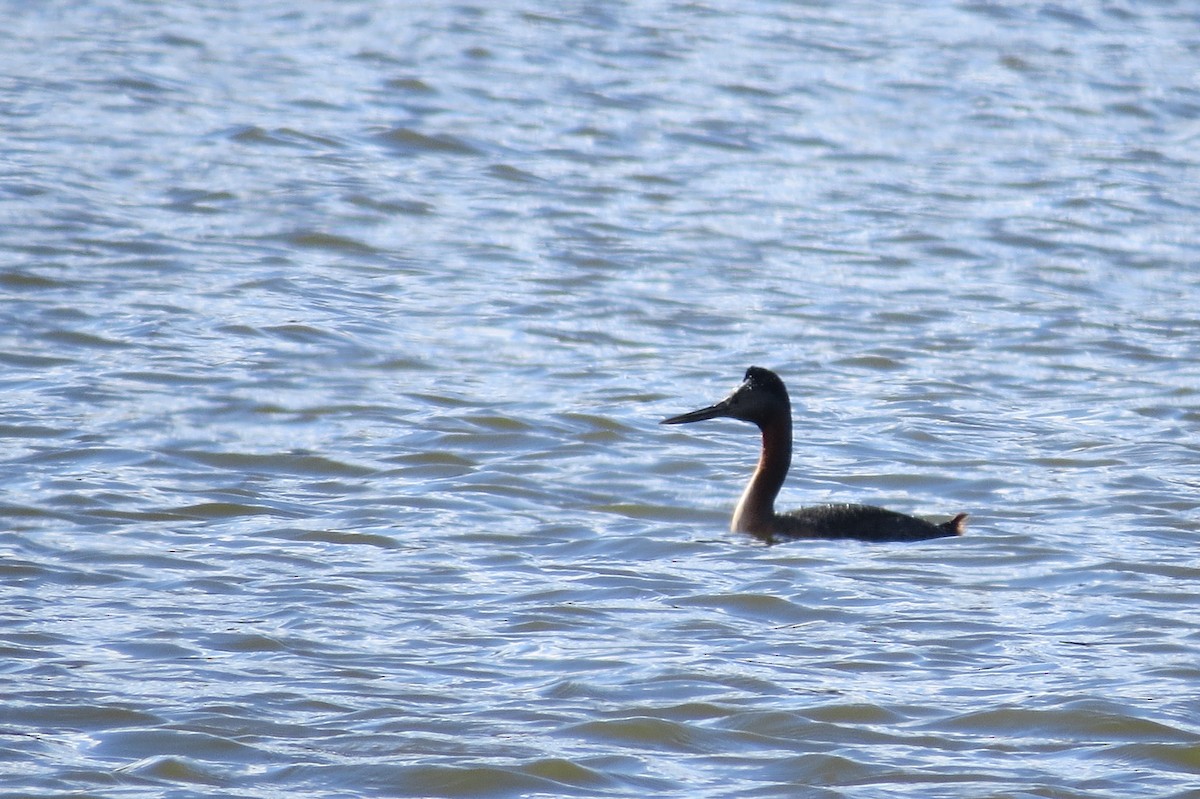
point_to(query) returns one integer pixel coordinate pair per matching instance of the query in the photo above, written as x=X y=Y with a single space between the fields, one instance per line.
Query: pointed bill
x=711 y=412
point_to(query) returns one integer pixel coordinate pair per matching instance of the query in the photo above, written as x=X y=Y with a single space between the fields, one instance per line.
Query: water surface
x=333 y=341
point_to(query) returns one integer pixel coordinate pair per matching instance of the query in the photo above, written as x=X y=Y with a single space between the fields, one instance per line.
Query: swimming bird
x=763 y=399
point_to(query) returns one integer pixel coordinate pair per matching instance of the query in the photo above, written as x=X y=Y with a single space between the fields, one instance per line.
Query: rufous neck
x=756 y=511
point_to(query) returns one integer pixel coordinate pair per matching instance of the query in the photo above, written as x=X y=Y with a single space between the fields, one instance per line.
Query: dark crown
x=765 y=380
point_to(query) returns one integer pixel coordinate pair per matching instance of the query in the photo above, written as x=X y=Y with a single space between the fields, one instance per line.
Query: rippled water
x=334 y=337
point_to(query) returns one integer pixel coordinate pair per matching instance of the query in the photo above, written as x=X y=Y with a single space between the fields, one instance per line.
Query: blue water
x=334 y=338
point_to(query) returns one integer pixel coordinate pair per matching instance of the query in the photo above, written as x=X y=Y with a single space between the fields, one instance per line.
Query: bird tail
x=956 y=526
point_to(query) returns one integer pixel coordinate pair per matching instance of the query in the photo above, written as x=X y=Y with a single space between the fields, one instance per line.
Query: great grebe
x=763 y=400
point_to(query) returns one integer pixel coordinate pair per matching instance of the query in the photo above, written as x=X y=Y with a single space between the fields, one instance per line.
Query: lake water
x=334 y=337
